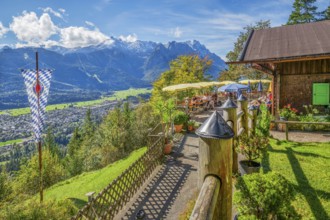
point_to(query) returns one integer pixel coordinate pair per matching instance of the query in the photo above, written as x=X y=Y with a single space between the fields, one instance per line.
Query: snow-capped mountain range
x=112 y=65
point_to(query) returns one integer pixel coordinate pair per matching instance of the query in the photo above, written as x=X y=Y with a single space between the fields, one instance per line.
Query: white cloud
x=31 y=29
x=90 y=23
x=80 y=37
x=53 y=12
x=129 y=38
x=3 y=30
x=176 y=32
x=62 y=10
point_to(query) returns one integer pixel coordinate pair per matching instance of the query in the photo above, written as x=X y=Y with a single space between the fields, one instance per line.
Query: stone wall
x=297 y=78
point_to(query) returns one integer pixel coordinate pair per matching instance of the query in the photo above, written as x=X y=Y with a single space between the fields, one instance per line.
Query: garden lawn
x=307 y=167
x=76 y=187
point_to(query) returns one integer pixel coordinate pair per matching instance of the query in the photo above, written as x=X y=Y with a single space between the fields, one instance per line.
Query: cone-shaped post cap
x=229 y=104
x=241 y=98
x=215 y=127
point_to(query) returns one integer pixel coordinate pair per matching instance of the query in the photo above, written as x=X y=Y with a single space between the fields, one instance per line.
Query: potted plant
x=165 y=111
x=251 y=147
x=286 y=113
x=179 y=119
x=264 y=196
x=191 y=125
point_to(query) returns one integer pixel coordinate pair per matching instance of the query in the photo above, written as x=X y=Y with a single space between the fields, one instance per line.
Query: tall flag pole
x=37 y=89
x=37 y=83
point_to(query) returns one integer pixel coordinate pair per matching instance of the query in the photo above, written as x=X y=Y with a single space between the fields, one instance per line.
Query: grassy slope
x=76 y=187
x=10 y=142
x=306 y=166
x=118 y=94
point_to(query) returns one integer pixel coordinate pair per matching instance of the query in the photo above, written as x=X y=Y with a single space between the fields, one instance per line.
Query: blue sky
x=73 y=23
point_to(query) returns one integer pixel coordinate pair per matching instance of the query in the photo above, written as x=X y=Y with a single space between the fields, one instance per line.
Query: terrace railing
x=113 y=198
x=218 y=160
x=287 y=123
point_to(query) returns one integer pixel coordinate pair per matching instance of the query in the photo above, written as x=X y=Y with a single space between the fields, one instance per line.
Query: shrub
x=191 y=123
x=180 y=118
x=264 y=196
x=27 y=180
x=34 y=210
x=251 y=146
x=288 y=112
x=264 y=121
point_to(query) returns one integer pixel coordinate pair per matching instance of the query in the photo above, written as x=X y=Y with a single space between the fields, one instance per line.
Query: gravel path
x=166 y=193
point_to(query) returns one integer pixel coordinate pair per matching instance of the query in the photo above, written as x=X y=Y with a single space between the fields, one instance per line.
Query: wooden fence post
x=252 y=119
x=215 y=158
x=230 y=116
x=243 y=105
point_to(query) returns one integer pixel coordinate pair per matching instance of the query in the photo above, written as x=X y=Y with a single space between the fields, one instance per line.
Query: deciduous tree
x=235 y=72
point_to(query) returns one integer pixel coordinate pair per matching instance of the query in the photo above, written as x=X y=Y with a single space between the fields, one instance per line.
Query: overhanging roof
x=290 y=42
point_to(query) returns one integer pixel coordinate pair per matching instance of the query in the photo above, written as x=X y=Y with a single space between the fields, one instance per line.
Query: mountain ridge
x=112 y=65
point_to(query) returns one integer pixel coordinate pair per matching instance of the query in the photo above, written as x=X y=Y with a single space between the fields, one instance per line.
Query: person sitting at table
x=206 y=100
x=193 y=103
x=269 y=101
x=214 y=98
x=210 y=104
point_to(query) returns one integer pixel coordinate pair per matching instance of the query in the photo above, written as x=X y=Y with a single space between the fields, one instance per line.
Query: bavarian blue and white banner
x=33 y=88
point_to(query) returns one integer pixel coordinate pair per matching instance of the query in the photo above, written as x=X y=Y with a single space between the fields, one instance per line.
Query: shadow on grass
x=304 y=186
x=306 y=189
x=79 y=203
x=265 y=160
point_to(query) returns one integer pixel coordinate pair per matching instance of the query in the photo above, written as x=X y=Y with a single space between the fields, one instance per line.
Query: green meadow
x=94 y=181
x=10 y=142
x=117 y=95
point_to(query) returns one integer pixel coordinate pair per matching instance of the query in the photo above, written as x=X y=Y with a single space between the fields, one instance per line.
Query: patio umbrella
x=270 y=87
x=226 y=82
x=180 y=87
x=249 y=88
x=253 y=81
x=260 y=86
x=239 y=92
x=232 y=87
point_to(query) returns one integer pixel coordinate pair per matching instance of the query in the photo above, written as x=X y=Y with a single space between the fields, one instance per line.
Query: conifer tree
x=50 y=143
x=304 y=11
x=74 y=143
x=326 y=13
x=88 y=126
x=5 y=185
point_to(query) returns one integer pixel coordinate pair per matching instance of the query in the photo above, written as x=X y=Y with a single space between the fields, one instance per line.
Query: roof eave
x=284 y=59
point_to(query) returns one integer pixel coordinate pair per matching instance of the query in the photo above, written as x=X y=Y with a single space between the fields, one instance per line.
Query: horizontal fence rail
x=114 y=197
x=297 y=123
x=206 y=203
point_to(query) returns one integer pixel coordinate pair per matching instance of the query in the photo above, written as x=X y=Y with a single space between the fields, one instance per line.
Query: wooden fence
x=114 y=197
x=217 y=161
x=287 y=123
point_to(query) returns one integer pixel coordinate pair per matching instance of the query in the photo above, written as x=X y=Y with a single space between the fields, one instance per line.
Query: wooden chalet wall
x=294 y=81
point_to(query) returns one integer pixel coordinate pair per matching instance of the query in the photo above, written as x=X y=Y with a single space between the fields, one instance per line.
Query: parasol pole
x=39 y=141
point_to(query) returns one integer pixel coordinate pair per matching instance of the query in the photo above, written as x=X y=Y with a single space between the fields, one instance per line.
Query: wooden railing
x=155 y=133
x=114 y=197
x=296 y=123
x=217 y=162
x=206 y=202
